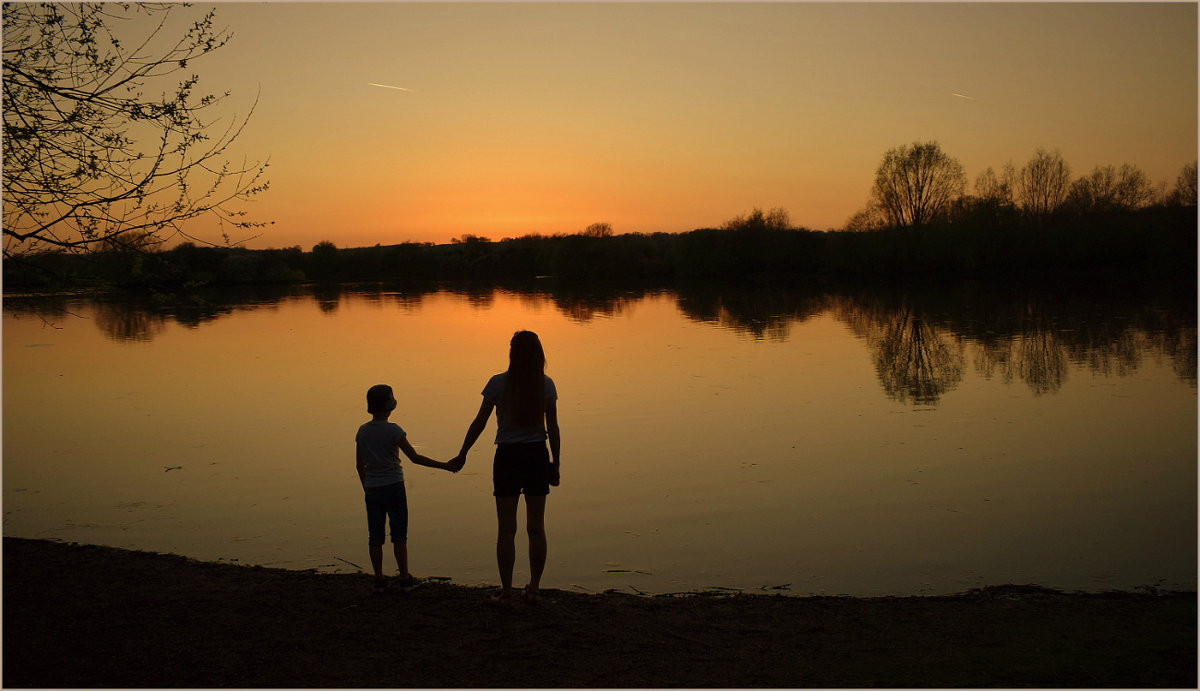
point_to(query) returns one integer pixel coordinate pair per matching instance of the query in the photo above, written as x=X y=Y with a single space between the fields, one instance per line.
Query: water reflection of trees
x=763 y=313
x=126 y=322
x=1032 y=338
x=327 y=297
x=578 y=303
x=1180 y=347
x=582 y=304
x=1041 y=361
x=919 y=342
x=1037 y=358
x=915 y=360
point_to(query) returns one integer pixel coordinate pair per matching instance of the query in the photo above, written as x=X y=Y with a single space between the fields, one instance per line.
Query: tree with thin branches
x=1109 y=188
x=91 y=157
x=1184 y=193
x=1043 y=184
x=916 y=184
x=598 y=230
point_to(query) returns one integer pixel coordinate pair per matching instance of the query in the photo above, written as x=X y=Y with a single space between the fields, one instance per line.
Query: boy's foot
x=532 y=596
x=381 y=585
x=409 y=584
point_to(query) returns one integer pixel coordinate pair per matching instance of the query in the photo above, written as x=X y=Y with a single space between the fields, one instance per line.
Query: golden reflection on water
x=831 y=444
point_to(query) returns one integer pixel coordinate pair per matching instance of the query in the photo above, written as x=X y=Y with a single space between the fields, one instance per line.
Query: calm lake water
x=788 y=442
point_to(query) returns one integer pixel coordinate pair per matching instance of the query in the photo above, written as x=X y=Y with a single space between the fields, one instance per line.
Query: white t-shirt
x=507 y=430
x=380 y=444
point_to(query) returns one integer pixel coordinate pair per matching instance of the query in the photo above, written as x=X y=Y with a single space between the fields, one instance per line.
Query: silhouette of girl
x=526 y=417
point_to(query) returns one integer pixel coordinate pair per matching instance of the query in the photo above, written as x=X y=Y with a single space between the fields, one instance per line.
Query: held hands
x=455 y=464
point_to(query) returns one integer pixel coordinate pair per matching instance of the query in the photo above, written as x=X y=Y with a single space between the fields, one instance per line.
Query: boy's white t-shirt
x=507 y=430
x=380 y=443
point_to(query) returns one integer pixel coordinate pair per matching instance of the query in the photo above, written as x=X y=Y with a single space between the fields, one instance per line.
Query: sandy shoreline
x=86 y=616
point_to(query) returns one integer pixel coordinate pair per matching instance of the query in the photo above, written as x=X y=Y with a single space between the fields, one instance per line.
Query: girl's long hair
x=524 y=389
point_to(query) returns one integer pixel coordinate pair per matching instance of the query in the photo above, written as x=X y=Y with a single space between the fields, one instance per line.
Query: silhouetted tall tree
x=996 y=189
x=1109 y=188
x=89 y=156
x=1043 y=184
x=993 y=201
x=598 y=230
x=914 y=184
x=775 y=219
x=1184 y=193
x=324 y=261
x=867 y=219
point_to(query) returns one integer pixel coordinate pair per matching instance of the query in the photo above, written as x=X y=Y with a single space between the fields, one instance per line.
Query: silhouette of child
x=377 y=457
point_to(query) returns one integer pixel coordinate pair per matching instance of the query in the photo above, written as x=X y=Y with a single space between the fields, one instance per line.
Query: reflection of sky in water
x=847 y=447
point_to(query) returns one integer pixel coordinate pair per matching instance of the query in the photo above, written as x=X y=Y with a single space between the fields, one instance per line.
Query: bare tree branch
x=87 y=157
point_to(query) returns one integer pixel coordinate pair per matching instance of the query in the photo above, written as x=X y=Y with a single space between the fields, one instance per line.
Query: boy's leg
x=376 y=516
x=535 y=526
x=506 y=535
x=377 y=561
x=398 y=516
x=401 y=551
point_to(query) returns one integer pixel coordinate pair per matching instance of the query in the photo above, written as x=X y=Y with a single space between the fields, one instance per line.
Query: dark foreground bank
x=85 y=616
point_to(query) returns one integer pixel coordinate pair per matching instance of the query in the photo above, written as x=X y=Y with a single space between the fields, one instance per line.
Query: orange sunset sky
x=546 y=117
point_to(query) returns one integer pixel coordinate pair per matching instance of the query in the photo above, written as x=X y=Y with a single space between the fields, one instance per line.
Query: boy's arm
x=360 y=462
x=417 y=458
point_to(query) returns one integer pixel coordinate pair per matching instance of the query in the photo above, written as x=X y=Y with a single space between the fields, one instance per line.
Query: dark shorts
x=387 y=503
x=521 y=468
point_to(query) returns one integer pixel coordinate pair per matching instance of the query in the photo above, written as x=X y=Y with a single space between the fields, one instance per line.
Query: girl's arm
x=417 y=458
x=476 y=429
x=552 y=429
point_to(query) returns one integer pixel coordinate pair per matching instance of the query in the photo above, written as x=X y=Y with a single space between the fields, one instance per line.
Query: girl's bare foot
x=503 y=599
x=531 y=595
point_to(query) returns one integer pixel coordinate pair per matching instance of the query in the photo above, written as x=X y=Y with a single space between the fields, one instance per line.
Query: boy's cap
x=380 y=399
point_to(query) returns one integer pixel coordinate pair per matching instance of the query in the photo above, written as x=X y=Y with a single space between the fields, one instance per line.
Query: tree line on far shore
x=1155 y=241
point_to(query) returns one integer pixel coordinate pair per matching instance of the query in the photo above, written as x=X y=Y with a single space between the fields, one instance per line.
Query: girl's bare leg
x=535 y=526
x=506 y=535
